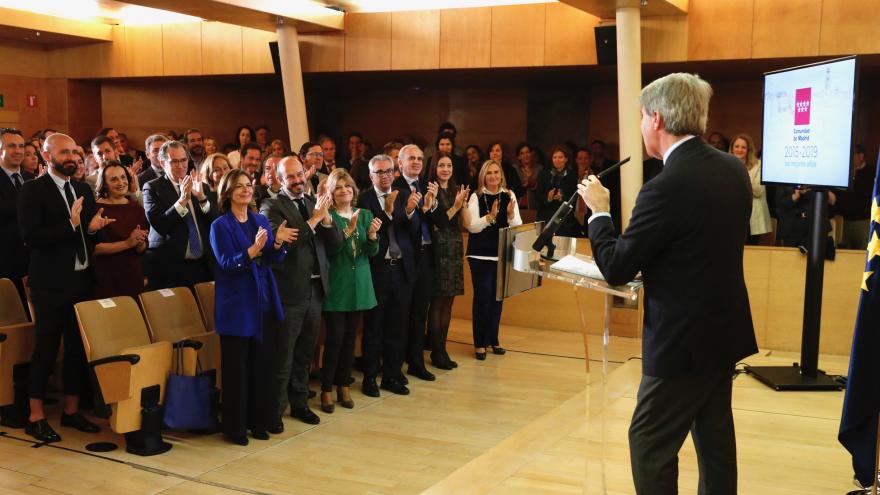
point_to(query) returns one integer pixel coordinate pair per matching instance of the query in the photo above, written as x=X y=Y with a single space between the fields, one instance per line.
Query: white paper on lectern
x=578 y=266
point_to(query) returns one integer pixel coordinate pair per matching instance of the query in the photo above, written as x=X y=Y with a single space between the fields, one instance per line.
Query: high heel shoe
x=481 y=355
x=327 y=404
x=498 y=350
x=348 y=404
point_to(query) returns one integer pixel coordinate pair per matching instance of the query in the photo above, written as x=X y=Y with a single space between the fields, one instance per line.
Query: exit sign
x=32 y=101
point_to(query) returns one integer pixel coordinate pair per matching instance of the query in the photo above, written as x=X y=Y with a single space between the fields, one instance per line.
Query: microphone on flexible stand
x=565 y=209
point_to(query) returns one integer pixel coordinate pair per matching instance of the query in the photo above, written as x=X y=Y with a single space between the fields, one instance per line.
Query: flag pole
x=876 y=460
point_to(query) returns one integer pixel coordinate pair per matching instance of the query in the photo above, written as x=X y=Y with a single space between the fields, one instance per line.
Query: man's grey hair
x=154 y=138
x=168 y=145
x=379 y=158
x=682 y=100
x=406 y=150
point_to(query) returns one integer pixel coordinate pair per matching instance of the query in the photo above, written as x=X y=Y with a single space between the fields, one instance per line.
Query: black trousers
x=384 y=325
x=54 y=317
x=423 y=292
x=669 y=408
x=341 y=328
x=185 y=274
x=486 y=310
x=247 y=378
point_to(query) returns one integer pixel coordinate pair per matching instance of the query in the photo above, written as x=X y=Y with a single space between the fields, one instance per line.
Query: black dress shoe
x=78 y=421
x=480 y=355
x=312 y=394
x=351 y=380
x=370 y=388
x=41 y=430
x=260 y=434
x=305 y=415
x=402 y=379
x=421 y=373
x=348 y=404
x=237 y=439
x=453 y=364
x=442 y=364
x=499 y=350
x=277 y=428
x=395 y=386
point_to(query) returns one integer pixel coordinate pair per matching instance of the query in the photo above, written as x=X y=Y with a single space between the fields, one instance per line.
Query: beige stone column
x=629 y=84
x=291 y=78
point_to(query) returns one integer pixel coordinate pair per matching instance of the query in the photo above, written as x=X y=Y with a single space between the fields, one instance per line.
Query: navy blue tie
x=195 y=242
x=426 y=231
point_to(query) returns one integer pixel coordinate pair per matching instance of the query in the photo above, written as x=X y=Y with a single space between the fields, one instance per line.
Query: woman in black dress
x=448 y=253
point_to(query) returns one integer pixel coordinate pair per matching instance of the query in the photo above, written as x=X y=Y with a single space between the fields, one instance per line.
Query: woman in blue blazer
x=245 y=296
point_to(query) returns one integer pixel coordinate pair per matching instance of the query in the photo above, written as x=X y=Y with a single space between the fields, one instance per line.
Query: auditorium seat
x=132 y=371
x=173 y=316
x=16 y=347
x=205 y=295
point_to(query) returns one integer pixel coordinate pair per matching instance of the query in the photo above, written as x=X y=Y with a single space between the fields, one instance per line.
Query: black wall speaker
x=276 y=59
x=606 y=45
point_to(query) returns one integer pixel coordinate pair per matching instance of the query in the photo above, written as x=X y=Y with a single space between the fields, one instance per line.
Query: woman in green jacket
x=351 y=287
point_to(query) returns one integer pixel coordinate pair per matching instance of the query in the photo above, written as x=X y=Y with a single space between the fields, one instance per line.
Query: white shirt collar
x=381 y=193
x=289 y=194
x=676 y=145
x=10 y=173
x=58 y=180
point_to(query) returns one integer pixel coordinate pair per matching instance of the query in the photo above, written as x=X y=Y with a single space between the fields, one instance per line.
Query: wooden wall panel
x=84 y=110
x=665 y=39
x=16 y=113
x=92 y=60
x=415 y=40
x=256 y=57
x=736 y=107
x=720 y=29
x=182 y=49
x=323 y=52
x=143 y=50
x=518 y=36
x=142 y=108
x=849 y=27
x=570 y=38
x=465 y=38
x=221 y=48
x=23 y=59
x=485 y=115
x=786 y=28
x=368 y=41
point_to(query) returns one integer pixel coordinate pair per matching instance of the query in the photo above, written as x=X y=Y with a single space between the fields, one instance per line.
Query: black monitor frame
x=856 y=77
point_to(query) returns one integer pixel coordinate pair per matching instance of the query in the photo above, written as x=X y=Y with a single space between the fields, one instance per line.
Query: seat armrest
x=114 y=376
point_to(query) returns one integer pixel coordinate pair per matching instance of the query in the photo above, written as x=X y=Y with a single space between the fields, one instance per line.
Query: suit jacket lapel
x=52 y=191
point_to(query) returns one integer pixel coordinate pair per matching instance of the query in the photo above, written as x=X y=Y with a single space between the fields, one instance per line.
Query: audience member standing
x=303 y=284
x=495 y=151
x=196 y=147
x=491 y=208
x=58 y=221
x=527 y=173
x=119 y=254
x=13 y=253
x=214 y=167
x=393 y=270
x=555 y=185
x=180 y=216
x=855 y=204
x=601 y=162
x=743 y=148
x=795 y=216
x=152 y=146
x=474 y=156
x=247 y=304
x=328 y=147
x=448 y=254
x=351 y=287
x=411 y=163
x=243 y=135
x=251 y=160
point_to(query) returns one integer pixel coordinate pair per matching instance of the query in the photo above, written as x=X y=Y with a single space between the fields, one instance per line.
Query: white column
x=629 y=85
x=291 y=78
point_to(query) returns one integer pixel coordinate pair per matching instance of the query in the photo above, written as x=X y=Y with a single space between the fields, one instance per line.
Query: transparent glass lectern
x=520 y=268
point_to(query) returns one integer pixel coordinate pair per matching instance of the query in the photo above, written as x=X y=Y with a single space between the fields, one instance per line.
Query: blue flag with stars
x=861 y=405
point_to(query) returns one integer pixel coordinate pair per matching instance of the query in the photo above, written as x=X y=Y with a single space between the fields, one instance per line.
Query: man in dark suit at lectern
x=686 y=236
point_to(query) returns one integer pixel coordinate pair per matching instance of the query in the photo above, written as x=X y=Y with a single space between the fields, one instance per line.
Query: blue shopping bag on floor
x=188 y=398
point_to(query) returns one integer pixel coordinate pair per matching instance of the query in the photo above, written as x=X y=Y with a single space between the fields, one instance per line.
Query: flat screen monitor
x=808 y=123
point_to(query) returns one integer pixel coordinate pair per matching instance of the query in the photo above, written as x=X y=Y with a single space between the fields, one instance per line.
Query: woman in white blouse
x=743 y=148
x=492 y=207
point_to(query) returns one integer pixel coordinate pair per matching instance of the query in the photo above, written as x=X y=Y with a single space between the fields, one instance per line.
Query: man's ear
x=657 y=121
